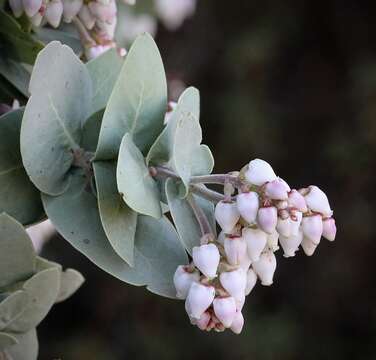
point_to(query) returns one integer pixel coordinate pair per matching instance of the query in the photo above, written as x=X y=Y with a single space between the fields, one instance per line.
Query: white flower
x=36 y=20
x=248 y=204
x=237 y=323
x=174 y=12
x=267 y=218
x=246 y=262
x=297 y=201
x=317 y=201
x=277 y=190
x=31 y=6
x=95 y=51
x=225 y=310
x=71 y=8
x=296 y=220
x=17 y=7
x=199 y=298
x=86 y=17
x=259 y=172
x=265 y=267
x=203 y=322
x=54 y=12
x=206 y=258
x=329 y=229
x=235 y=249
x=103 y=12
x=234 y=282
x=284 y=226
x=312 y=227
x=291 y=243
x=308 y=246
x=272 y=241
x=183 y=280
x=227 y=215
x=256 y=241
x=251 y=281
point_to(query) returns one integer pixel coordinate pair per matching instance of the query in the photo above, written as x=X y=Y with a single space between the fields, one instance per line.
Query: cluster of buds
x=264 y=214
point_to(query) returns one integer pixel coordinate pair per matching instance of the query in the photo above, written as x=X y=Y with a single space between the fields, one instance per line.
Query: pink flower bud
x=54 y=12
x=317 y=201
x=312 y=227
x=199 y=298
x=17 y=7
x=248 y=204
x=296 y=220
x=225 y=310
x=284 y=227
x=276 y=190
x=235 y=249
x=259 y=172
x=71 y=8
x=103 y=12
x=265 y=267
x=206 y=258
x=272 y=241
x=234 y=282
x=291 y=244
x=31 y=6
x=329 y=230
x=237 y=323
x=95 y=51
x=227 y=215
x=251 y=281
x=297 y=201
x=86 y=17
x=203 y=322
x=308 y=246
x=256 y=241
x=267 y=218
x=183 y=280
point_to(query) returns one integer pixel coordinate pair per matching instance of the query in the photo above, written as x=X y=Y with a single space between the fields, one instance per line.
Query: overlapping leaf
x=12 y=306
x=26 y=347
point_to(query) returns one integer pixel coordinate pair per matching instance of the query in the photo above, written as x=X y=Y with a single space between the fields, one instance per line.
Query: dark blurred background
x=294 y=83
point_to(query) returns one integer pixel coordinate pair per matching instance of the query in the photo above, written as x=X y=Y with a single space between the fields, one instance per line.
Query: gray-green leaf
x=7 y=340
x=70 y=282
x=12 y=306
x=26 y=348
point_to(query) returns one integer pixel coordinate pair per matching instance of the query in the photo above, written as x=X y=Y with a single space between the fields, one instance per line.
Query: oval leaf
x=60 y=101
x=12 y=306
x=18 y=196
x=138 y=102
x=7 y=340
x=134 y=182
x=70 y=281
x=26 y=349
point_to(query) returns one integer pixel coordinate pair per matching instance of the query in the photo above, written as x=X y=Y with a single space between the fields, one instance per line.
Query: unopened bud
x=265 y=267
x=103 y=12
x=31 y=6
x=248 y=205
x=17 y=7
x=235 y=249
x=203 y=322
x=225 y=309
x=199 y=298
x=54 y=12
x=259 y=172
x=312 y=227
x=246 y=262
x=183 y=280
x=272 y=241
x=227 y=215
x=284 y=227
x=317 y=201
x=251 y=281
x=234 y=282
x=291 y=244
x=256 y=240
x=329 y=229
x=206 y=258
x=237 y=323
x=36 y=20
x=267 y=218
x=86 y=17
x=71 y=8
x=276 y=190
x=297 y=201
x=308 y=246
x=296 y=219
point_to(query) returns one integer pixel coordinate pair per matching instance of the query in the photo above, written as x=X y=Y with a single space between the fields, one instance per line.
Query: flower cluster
x=264 y=214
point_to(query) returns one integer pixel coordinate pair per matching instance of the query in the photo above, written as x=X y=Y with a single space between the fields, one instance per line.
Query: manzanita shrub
x=126 y=184
x=29 y=287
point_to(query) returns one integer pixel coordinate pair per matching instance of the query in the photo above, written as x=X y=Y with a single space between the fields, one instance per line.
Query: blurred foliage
x=294 y=83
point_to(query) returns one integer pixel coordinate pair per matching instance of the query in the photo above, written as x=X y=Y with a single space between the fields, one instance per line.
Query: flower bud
x=259 y=172
x=267 y=218
x=225 y=309
x=297 y=201
x=103 y=12
x=272 y=241
x=183 y=280
x=17 y=7
x=312 y=227
x=31 y=6
x=329 y=229
x=251 y=281
x=296 y=219
x=206 y=258
x=308 y=246
x=265 y=267
x=276 y=190
x=248 y=204
x=235 y=249
x=203 y=322
x=36 y=20
x=71 y=8
x=227 y=215
x=54 y=12
x=237 y=323
x=240 y=303
x=291 y=243
x=246 y=262
x=317 y=201
x=234 y=282
x=256 y=241
x=284 y=227
x=86 y=17
x=199 y=298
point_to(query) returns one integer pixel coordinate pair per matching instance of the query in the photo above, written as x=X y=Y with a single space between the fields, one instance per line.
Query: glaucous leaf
x=90 y=131
x=70 y=281
x=138 y=102
x=134 y=182
x=118 y=220
x=17 y=255
x=104 y=71
x=7 y=340
x=18 y=196
x=60 y=102
x=12 y=306
x=26 y=349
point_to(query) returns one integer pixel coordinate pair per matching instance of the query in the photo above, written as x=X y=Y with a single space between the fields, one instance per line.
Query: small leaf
x=118 y=220
x=7 y=340
x=138 y=102
x=104 y=71
x=26 y=349
x=70 y=281
x=60 y=102
x=42 y=290
x=12 y=306
x=134 y=182
x=18 y=196
x=17 y=255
